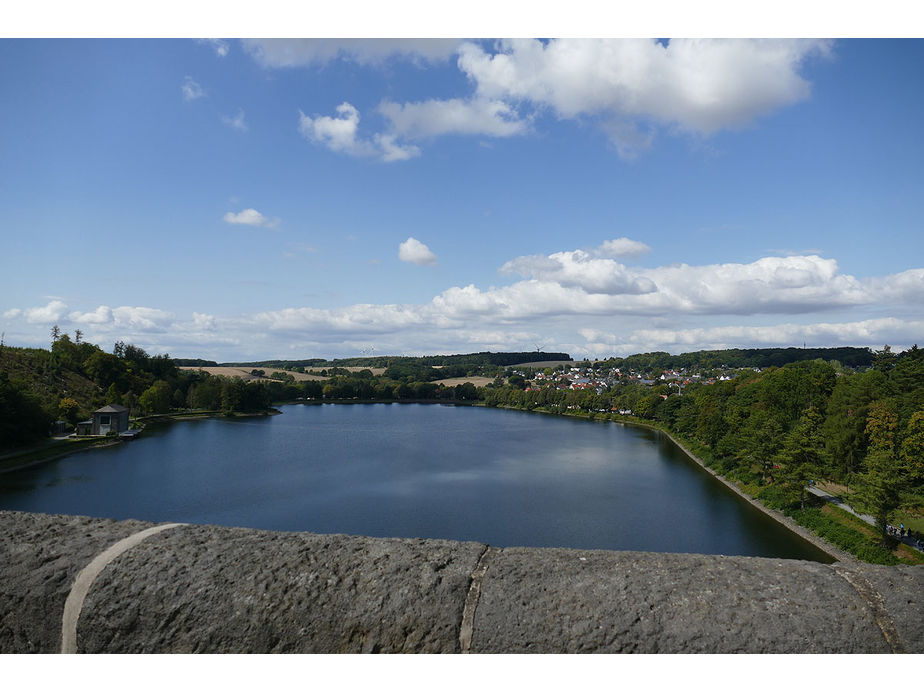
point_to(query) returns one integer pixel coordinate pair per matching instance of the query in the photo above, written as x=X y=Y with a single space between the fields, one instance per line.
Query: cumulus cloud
x=453 y=117
x=621 y=247
x=572 y=301
x=340 y=134
x=237 y=122
x=629 y=87
x=579 y=269
x=415 y=252
x=768 y=285
x=365 y=51
x=53 y=311
x=699 y=85
x=101 y=316
x=250 y=217
x=336 y=133
x=142 y=319
x=191 y=89
x=873 y=332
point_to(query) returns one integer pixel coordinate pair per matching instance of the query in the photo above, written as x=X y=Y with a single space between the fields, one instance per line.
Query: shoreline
x=151 y=419
x=60 y=455
x=822 y=544
x=839 y=555
x=819 y=542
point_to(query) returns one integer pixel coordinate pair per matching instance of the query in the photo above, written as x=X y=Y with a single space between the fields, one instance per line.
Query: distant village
x=600 y=380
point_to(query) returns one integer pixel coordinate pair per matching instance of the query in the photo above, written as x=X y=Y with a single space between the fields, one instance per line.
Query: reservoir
x=504 y=478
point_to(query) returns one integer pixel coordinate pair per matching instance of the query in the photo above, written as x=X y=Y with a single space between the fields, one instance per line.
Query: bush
x=851 y=540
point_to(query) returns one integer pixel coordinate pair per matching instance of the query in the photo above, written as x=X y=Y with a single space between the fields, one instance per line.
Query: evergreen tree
x=883 y=477
x=803 y=453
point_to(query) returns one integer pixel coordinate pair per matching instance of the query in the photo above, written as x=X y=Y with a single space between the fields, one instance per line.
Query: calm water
x=501 y=477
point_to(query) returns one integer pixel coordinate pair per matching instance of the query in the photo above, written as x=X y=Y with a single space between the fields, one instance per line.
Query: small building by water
x=112 y=418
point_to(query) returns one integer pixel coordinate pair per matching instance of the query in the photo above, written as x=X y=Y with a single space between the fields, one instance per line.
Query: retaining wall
x=90 y=585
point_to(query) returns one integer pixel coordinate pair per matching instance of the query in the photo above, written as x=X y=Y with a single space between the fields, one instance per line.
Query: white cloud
x=579 y=269
x=191 y=89
x=204 y=321
x=453 y=117
x=621 y=247
x=340 y=134
x=369 y=51
x=392 y=151
x=698 y=85
x=769 y=285
x=630 y=87
x=12 y=313
x=237 y=122
x=337 y=133
x=337 y=324
x=101 y=316
x=415 y=252
x=218 y=45
x=872 y=333
x=51 y=312
x=250 y=217
x=142 y=319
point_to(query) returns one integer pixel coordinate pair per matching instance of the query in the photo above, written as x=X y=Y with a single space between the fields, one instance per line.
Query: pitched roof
x=111 y=409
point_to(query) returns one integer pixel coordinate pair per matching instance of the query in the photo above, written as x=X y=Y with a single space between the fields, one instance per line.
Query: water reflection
x=500 y=477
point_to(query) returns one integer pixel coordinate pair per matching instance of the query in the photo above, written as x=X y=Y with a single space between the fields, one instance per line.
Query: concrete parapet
x=216 y=589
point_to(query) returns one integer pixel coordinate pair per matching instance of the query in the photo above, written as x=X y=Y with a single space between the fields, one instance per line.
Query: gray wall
x=216 y=589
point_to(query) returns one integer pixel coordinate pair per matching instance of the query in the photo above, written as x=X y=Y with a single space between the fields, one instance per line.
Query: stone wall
x=191 y=588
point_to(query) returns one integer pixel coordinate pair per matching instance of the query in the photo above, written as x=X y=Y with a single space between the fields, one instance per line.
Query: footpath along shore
x=823 y=544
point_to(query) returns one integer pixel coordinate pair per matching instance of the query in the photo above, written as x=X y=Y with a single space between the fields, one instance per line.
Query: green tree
x=882 y=481
x=802 y=454
x=912 y=450
x=232 y=390
x=156 y=399
x=112 y=395
x=69 y=409
x=22 y=418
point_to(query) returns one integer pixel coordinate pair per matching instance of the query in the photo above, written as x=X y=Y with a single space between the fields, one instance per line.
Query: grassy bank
x=844 y=531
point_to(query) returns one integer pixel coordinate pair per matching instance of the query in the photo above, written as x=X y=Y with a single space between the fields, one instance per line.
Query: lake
x=505 y=478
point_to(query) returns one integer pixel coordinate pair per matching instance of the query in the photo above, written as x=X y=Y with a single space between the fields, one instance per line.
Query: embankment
x=89 y=585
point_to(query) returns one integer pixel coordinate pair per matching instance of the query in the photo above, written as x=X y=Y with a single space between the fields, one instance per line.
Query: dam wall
x=85 y=585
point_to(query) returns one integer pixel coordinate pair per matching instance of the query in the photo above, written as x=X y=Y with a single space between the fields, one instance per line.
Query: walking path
x=835 y=500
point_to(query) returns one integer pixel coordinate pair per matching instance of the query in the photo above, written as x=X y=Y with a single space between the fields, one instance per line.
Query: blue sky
x=239 y=200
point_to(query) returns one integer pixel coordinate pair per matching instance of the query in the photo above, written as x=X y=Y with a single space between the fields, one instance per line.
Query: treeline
x=778 y=429
x=365 y=386
x=482 y=358
x=74 y=378
x=851 y=357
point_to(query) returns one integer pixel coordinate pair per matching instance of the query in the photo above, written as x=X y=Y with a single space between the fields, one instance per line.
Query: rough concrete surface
x=217 y=589
x=40 y=555
x=547 y=600
x=902 y=590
